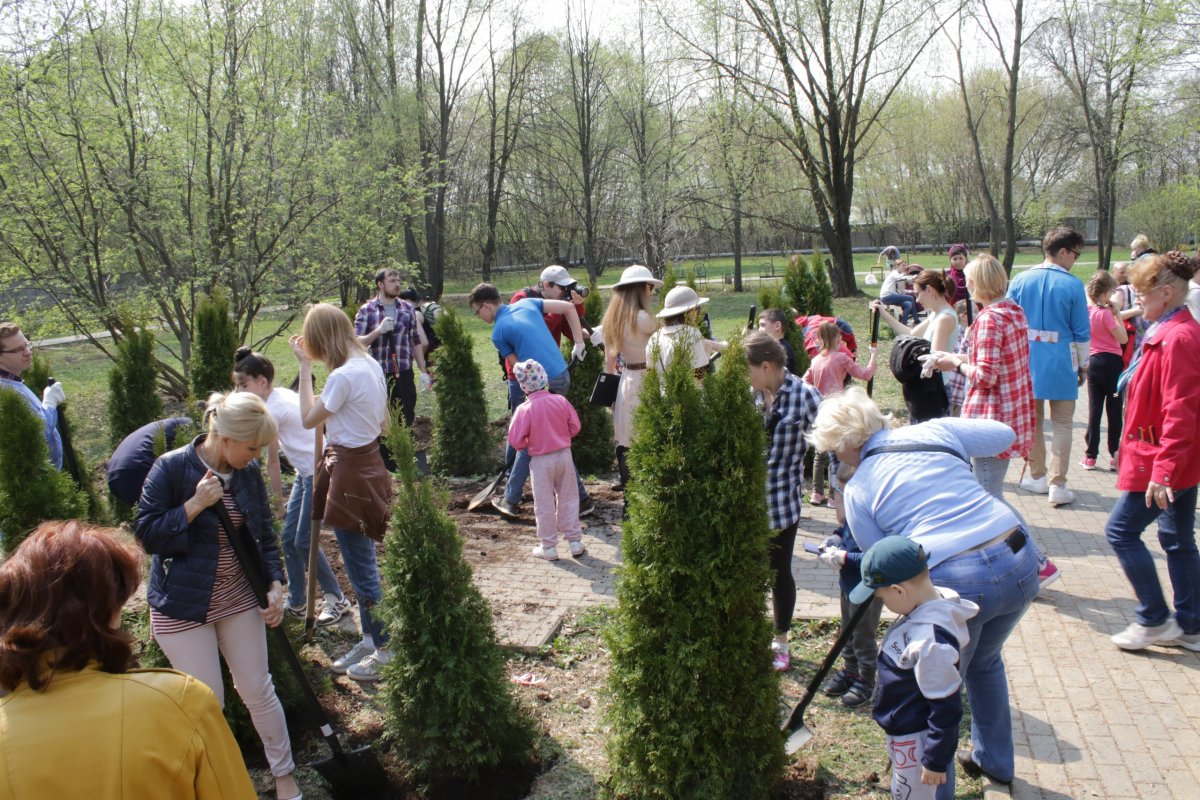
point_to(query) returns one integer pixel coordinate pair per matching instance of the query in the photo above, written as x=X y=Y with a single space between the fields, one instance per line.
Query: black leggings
x=1102 y=373
x=783 y=593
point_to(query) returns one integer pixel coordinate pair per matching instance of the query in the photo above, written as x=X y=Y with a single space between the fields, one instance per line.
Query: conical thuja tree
x=820 y=295
x=31 y=489
x=592 y=448
x=694 y=697
x=213 y=345
x=461 y=444
x=133 y=398
x=445 y=696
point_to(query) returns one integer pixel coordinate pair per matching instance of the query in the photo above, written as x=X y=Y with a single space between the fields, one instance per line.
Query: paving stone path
x=1089 y=720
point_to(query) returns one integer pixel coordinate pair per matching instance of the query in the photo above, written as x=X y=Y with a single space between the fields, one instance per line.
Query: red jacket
x=1162 y=409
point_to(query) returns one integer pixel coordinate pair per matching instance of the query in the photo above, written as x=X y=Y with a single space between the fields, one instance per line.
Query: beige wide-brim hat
x=679 y=300
x=637 y=274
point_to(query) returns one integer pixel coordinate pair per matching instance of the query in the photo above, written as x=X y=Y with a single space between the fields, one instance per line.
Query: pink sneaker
x=1113 y=462
x=1088 y=463
x=1048 y=575
x=782 y=661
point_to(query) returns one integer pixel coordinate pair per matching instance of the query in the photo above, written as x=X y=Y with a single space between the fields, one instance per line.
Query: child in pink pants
x=544 y=425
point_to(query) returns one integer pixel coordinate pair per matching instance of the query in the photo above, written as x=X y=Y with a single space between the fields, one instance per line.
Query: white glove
x=833 y=558
x=597 y=337
x=929 y=363
x=834 y=542
x=426 y=381
x=577 y=352
x=386 y=326
x=53 y=395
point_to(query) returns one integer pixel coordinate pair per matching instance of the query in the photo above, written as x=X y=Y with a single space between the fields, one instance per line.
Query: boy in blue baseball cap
x=917 y=698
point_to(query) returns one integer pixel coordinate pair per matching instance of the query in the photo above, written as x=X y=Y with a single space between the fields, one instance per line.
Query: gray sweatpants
x=905 y=753
x=861 y=653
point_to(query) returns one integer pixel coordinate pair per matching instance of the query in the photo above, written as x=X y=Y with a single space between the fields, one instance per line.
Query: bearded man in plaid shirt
x=389 y=328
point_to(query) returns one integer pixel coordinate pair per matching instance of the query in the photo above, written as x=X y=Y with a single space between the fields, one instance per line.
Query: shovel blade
x=354 y=775
x=797 y=738
x=480 y=499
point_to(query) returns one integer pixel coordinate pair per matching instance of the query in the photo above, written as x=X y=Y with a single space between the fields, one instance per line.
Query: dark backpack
x=906 y=355
x=925 y=397
x=134 y=456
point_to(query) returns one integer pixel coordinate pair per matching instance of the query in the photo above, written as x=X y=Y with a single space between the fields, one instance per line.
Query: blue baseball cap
x=891 y=560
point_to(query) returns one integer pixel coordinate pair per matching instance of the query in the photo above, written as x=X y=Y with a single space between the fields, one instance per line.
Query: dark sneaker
x=967 y=763
x=858 y=694
x=507 y=510
x=839 y=684
x=586 y=506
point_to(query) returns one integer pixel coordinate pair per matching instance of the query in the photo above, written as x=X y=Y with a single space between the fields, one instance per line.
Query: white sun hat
x=637 y=274
x=679 y=300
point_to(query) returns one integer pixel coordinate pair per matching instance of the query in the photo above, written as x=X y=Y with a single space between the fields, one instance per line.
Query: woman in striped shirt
x=200 y=600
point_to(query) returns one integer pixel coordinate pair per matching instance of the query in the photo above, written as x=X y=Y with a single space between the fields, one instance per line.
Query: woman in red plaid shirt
x=996 y=368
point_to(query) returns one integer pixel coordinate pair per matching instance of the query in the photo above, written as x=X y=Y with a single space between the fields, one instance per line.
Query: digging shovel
x=69 y=464
x=352 y=774
x=314 y=549
x=795 y=732
x=874 y=342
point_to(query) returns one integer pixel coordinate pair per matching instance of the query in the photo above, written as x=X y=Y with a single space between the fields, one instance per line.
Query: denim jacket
x=184 y=563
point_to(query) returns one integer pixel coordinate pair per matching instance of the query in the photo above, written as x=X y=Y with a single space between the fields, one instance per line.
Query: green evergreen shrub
x=445 y=694
x=694 y=698
x=669 y=279
x=796 y=282
x=31 y=489
x=820 y=296
x=592 y=449
x=213 y=343
x=461 y=443
x=690 y=278
x=133 y=399
x=38 y=374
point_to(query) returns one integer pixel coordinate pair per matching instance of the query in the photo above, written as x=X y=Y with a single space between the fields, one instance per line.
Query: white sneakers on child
x=547 y=553
x=551 y=553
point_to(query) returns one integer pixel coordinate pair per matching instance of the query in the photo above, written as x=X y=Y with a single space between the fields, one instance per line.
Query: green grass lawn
x=83 y=369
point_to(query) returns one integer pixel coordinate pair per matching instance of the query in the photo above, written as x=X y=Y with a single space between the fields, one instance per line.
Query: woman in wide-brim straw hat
x=627 y=326
x=678 y=317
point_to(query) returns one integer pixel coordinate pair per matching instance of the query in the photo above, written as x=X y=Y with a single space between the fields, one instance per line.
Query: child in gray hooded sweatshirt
x=917 y=700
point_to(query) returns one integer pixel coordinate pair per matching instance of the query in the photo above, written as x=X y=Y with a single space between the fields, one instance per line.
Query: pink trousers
x=555 y=497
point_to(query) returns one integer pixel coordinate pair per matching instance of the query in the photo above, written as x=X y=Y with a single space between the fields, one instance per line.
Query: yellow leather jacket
x=143 y=734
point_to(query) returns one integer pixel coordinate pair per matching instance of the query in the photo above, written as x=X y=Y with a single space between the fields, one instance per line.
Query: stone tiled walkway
x=1089 y=720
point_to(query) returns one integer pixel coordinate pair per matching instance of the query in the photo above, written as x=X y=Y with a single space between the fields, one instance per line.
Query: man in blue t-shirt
x=520 y=333
x=16 y=356
x=1055 y=305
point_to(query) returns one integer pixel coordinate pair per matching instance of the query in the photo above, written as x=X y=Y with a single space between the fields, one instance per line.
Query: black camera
x=574 y=286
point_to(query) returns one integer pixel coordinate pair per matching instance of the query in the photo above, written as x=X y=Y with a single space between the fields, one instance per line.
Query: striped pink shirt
x=231 y=590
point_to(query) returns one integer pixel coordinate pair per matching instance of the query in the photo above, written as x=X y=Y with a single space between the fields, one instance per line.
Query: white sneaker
x=577 y=549
x=1139 y=637
x=1037 y=486
x=356 y=654
x=1060 y=495
x=370 y=669
x=548 y=553
x=1189 y=640
x=333 y=610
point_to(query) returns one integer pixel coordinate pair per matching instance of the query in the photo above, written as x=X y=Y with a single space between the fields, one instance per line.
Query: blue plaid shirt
x=393 y=351
x=788 y=422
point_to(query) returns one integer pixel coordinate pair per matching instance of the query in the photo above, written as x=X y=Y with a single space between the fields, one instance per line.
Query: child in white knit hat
x=544 y=424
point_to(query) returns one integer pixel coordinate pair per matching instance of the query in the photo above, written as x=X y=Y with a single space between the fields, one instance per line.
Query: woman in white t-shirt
x=352 y=490
x=254 y=373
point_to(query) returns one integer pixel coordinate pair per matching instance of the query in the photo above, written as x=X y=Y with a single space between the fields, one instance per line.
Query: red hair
x=59 y=593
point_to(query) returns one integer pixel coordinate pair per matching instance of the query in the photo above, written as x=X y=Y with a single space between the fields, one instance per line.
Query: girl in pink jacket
x=544 y=425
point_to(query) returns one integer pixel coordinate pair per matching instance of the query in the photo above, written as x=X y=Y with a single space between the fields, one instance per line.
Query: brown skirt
x=352 y=490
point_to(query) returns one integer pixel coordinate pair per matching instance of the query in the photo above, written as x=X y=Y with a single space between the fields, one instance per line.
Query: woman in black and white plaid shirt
x=789 y=407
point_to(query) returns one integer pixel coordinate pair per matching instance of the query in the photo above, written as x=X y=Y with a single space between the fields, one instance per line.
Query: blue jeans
x=297 y=529
x=1177 y=535
x=518 y=460
x=358 y=558
x=1003 y=584
x=908 y=306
